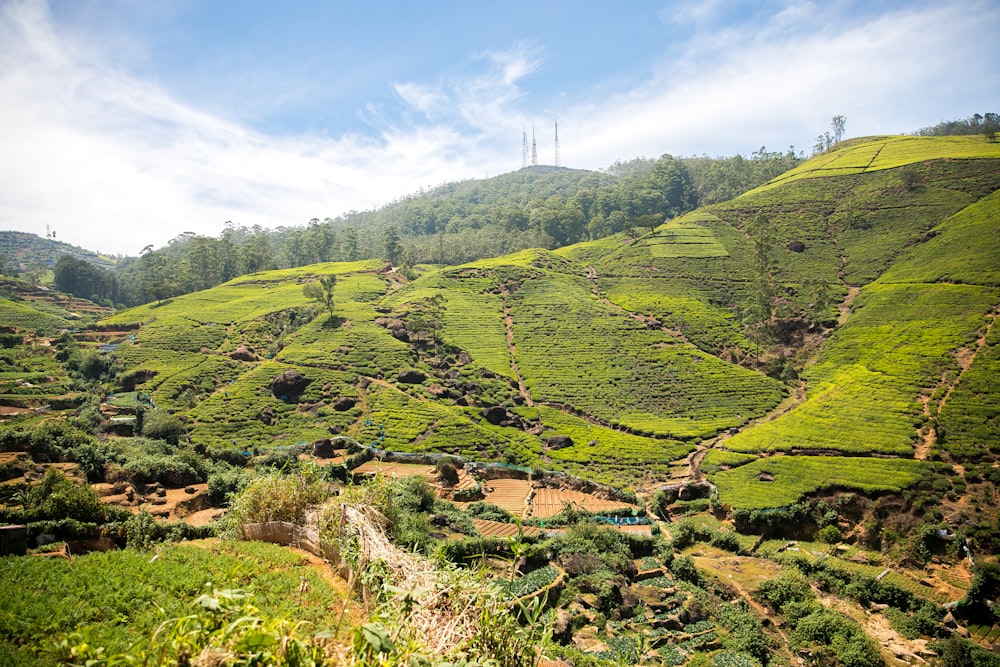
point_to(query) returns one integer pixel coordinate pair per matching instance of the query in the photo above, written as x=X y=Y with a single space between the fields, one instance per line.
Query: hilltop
x=29 y=252
x=811 y=361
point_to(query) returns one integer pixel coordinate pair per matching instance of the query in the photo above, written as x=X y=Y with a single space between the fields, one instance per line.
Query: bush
x=276 y=497
x=830 y=534
x=226 y=481
x=161 y=425
x=683 y=568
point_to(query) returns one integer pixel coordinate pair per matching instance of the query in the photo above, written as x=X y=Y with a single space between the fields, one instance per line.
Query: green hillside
x=637 y=349
x=789 y=400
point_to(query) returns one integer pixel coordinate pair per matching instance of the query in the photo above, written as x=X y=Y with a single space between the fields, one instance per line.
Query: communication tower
x=534 y=148
x=557 y=144
x=524 y=147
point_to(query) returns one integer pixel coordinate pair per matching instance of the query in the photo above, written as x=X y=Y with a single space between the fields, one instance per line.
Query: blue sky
x=126 y=123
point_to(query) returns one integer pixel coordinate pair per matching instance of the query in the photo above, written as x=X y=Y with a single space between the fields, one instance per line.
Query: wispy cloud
x=114 y=162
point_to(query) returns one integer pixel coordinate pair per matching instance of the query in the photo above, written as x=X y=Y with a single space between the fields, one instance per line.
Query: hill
x=26 y=252
x=795 y=387
x=629 y=349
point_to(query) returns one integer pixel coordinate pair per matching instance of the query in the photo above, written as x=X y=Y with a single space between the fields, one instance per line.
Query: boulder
x=289 y=384
x=323 y=449
x=411 y=376
x=344 y=403
x=562 y=629
x=558 y=442
x=496 y=414
x=243 y=353
x=267 y=416
x=796 y=246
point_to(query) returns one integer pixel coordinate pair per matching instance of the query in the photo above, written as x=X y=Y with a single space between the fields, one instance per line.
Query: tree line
x=540 y=206
x=987 y=125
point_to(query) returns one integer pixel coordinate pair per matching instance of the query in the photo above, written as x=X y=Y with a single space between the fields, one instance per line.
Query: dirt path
x=965 y=357
x=845 y=306
x=508 y=323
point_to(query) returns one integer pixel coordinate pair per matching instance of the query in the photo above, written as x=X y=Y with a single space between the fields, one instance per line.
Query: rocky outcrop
x=289 y=384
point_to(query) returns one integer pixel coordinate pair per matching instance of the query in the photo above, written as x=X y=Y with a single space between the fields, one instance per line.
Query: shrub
x=161 y=425
x=683 y=568
x=276 y=497
x=830 y=534
x=490 y=512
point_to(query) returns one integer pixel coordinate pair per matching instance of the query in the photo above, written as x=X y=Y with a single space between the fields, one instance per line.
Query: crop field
x=596 y=359
x=25 y=317
x=721 y=459
x=864 y=387
x=962 y=250
x=683 y=306
x=549 y=502
x=509 y=494
x=887 y=153
x=792 y=477
x=969 y=423
x=497 y=529
x=593 y=443
x=685 y=237
x=472 y=316
x=119 y=598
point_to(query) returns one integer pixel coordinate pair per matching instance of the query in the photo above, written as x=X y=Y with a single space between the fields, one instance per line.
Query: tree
x=837 y=125
x=322 y=291
x=393 y=248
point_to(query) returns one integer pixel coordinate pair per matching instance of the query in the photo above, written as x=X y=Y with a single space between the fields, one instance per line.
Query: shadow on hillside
x=333 y=322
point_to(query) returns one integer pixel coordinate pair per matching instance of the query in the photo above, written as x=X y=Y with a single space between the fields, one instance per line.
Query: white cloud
x=892 y=74
x=113 y=162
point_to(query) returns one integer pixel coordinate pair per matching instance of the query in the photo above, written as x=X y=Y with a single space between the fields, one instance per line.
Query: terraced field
x=548 y=502
x=614 y=359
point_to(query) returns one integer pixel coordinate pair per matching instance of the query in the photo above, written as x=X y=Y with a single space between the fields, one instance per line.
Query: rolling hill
x=626 y=359
x=790 y=396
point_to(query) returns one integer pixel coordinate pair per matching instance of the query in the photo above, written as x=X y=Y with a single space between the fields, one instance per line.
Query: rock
x=410 y=376
x=289 y=384
x=438 y=390
x=796 y=246
x=496 y=414
x=190 y=490
x=323 y=449
x=344 y=403
x=243 y=353
x=267 y=416
x=559 y=442
x=562 y=629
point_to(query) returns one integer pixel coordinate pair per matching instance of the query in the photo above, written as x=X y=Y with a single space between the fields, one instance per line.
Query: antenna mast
x=524 y=147
x=557 y=143
x=534 y=148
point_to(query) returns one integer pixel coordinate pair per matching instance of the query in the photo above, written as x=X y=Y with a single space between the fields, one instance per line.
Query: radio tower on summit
x=557 y=144
x=534 y=148
x=524 y=147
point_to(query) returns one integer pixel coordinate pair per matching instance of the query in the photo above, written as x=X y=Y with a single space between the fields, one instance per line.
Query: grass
x=796 y=476
x=881 y=153
x=24 y=316
x=118 y=598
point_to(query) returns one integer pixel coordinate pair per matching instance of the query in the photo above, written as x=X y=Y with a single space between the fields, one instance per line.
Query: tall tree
x=322 y=291
x=393 y=247
x=837 y=125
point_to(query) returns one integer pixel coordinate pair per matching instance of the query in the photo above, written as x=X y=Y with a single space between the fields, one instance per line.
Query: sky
x=125 y=123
